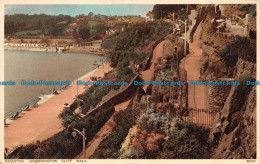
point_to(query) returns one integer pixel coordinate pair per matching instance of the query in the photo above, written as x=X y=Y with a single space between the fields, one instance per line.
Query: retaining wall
x=118 y=98
x=217 y=94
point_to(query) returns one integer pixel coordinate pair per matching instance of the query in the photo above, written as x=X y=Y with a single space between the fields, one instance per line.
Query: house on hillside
x=68 y=31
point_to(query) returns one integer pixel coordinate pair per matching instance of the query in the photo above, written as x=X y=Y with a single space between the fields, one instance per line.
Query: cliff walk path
x=197 y=94
x=148 y=74
x=42 y=122
x=104 y=132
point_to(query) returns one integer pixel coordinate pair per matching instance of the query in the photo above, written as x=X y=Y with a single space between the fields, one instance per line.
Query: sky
x=73 y=10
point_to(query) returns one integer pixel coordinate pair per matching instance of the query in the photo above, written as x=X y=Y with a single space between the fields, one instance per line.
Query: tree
x=149 y=15
x=19 y=26
x=90 y=14
x=9 y=27
x=39 y=24
x=160 y=11
x=75 y=36
x=54 y=30
x=84 y=32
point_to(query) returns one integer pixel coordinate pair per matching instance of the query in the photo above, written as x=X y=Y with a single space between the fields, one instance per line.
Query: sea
x=35 y=66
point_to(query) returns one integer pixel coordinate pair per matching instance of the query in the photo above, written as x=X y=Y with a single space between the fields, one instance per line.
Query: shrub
x=135 y=36
x=249 y=9
x=68 y=117
x=94 y=95
x=26 y=152
x=186 y=141
x=133 y=155
x=110 y=146
x=123 y=72
x=239 y=48
x=123 y=44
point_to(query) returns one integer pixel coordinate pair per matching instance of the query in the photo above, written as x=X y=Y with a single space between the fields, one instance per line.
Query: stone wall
x=217 y=94
x=234 y=132
x=245 y=66
x=201 y=15
x=241 y=141
x=117 y=98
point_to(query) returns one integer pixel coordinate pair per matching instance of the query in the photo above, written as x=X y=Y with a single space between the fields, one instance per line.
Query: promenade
x=42 y=122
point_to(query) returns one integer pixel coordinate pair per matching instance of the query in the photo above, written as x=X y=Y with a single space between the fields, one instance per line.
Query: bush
x=123 y=44
x=94 y=95
x=110 y=146
x=239 y=48
x=186 y=141
x=135 y=36
x=26 y=152
x=249 y=9
x=133 y=155
x=68 y=117
x=123 y=72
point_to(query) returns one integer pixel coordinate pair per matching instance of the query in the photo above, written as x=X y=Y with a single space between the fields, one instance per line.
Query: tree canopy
x=161 y=11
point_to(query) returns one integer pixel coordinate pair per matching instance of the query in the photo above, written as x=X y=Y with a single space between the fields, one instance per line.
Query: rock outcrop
x=234 y=131
x=241 y=141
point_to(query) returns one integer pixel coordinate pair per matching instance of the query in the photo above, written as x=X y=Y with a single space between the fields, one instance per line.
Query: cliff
x=234 y=131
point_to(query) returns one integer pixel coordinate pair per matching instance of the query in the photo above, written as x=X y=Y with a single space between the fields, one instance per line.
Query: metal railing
x=199 y=117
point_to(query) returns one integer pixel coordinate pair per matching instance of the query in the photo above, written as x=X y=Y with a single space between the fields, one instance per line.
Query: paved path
x=42 y=122
x=103 y=132
x=107 y=128
x=148 y=74
x=197 y=95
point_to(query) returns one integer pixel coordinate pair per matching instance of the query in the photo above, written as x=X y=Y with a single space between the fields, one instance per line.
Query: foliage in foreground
x=110 y=147
x=186 y=141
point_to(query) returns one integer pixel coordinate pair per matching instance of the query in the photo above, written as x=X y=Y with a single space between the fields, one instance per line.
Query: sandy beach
x=42 y=122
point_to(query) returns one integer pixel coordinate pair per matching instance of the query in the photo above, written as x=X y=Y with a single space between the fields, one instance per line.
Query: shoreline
x=44 y=98
x=42 y=122
x=53 y=49
x=85 y=52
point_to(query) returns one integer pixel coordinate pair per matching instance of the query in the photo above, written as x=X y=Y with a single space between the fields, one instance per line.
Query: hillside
x=31 y=25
